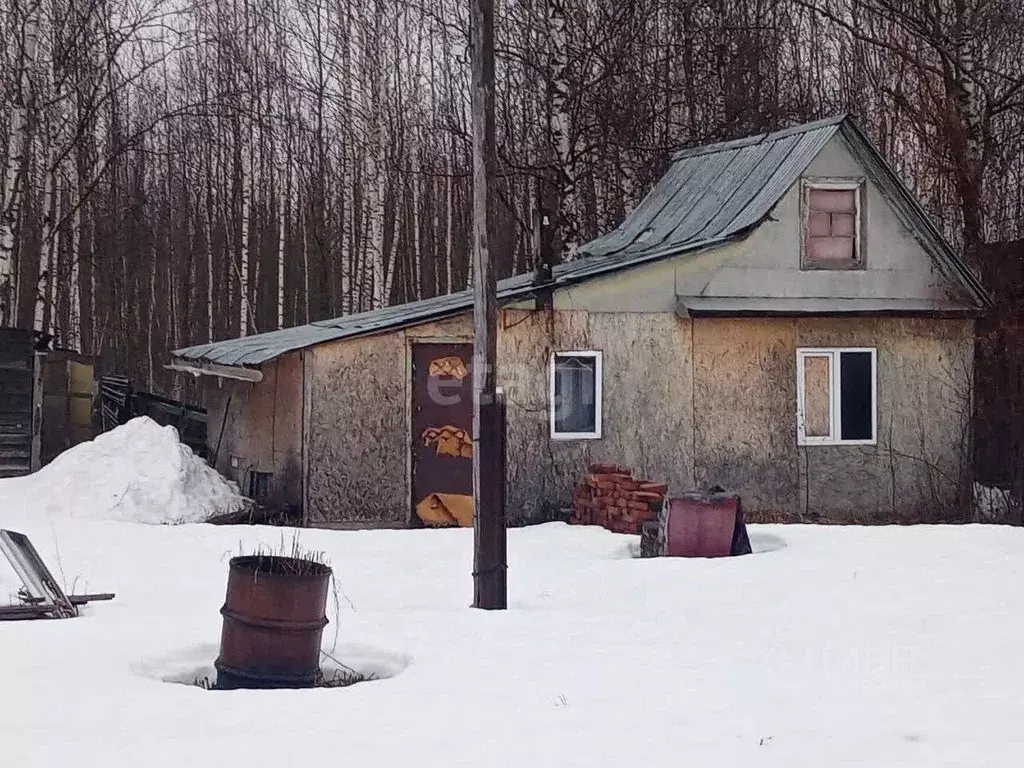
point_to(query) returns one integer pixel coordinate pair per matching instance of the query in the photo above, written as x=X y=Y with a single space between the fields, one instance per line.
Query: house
x=778 y=316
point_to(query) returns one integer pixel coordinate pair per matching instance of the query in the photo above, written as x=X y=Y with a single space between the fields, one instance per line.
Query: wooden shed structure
x=20 y=402
x=46 y=401
x=778 y=317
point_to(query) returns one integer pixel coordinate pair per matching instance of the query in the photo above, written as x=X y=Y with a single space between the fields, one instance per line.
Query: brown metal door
x=442 y=434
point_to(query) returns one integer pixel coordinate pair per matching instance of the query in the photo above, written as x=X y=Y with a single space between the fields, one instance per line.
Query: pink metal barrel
x=699 y=525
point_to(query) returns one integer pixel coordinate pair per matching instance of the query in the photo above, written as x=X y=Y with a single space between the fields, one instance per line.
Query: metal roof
x=716 y=192
x=710 y=195
x=263 y=347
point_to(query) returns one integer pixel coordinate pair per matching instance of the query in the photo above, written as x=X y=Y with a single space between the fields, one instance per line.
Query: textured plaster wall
x=689 y=402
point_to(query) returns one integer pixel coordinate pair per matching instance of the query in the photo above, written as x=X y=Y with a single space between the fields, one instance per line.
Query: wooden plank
x=73 y=599
x=20 y=612
x=93 y=598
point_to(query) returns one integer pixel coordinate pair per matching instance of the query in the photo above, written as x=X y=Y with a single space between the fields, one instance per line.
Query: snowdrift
x=139 y=472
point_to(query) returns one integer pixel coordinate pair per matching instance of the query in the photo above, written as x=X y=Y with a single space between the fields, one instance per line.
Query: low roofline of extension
x=577 y=272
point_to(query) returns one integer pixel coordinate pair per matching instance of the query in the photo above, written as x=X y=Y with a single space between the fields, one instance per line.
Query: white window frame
x=855 y=185
x=835 y=396
x=596 y=356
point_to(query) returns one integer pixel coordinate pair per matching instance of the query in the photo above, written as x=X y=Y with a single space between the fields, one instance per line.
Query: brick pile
x=611 y=497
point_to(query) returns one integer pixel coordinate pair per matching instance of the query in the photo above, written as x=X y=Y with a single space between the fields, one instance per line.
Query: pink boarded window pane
x=817 y=389
x=834 y=200
x=820 y=225
x=843 y=224
x=830 y=249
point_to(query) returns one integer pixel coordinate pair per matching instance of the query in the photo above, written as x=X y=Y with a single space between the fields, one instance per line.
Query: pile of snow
x=139 y=472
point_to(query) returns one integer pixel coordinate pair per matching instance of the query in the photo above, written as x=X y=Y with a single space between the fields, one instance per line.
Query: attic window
x=832 y=225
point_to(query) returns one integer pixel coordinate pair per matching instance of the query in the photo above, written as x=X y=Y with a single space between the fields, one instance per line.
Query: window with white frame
x=833 y=238
x=575 y=395
x=836 y=396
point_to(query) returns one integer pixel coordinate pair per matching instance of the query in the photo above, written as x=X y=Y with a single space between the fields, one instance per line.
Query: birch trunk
x=348 y=233
x=375 y=220
x=417 y=262
x=560 y=130
x=16 y=170
x=74 y=330
x=45 y=277
x=389 y=267
x=150 y=322
x=245 y=315
x=449 y=226
x=969 y=142
x=283 y=212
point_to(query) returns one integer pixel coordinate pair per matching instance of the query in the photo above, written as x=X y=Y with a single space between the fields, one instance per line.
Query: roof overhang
x=736 y=306
x=202 y=368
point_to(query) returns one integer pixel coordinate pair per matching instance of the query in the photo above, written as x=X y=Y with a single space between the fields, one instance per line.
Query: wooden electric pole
x=489 y=585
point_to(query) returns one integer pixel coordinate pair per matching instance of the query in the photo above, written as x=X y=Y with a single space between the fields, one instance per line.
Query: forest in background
x=178 y=171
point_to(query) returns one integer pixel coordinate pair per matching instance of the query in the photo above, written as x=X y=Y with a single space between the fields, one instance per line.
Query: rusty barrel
x=274 y=617
x=703 y=525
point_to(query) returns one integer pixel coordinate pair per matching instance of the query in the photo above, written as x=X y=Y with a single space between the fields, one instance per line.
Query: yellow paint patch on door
x=449 y=441
x=450 y=365
x=446 y=509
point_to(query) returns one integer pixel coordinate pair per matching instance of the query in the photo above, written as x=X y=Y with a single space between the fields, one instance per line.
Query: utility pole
x=489 y=583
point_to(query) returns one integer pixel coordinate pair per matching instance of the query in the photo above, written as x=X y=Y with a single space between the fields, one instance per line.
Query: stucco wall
x=356 y=432
x=358 y=427
x=688 y=402
x=358 y=413
x=647 y=384
x=257 y=427
x=745 y=400
x=744 y=409
x=924 y=402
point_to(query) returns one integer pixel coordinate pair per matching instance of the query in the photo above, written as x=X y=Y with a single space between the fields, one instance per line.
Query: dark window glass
x=259 y=485
x=856 y=407
x=575 y=394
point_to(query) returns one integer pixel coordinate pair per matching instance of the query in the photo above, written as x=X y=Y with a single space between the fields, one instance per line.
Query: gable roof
x=717 y=191
x=724 y=190
x=709 y=196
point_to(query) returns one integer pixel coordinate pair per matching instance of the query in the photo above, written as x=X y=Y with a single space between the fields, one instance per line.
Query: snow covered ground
x=830 y=647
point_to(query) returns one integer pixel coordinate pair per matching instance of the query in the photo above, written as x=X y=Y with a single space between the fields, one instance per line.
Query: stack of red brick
x=610 y=496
